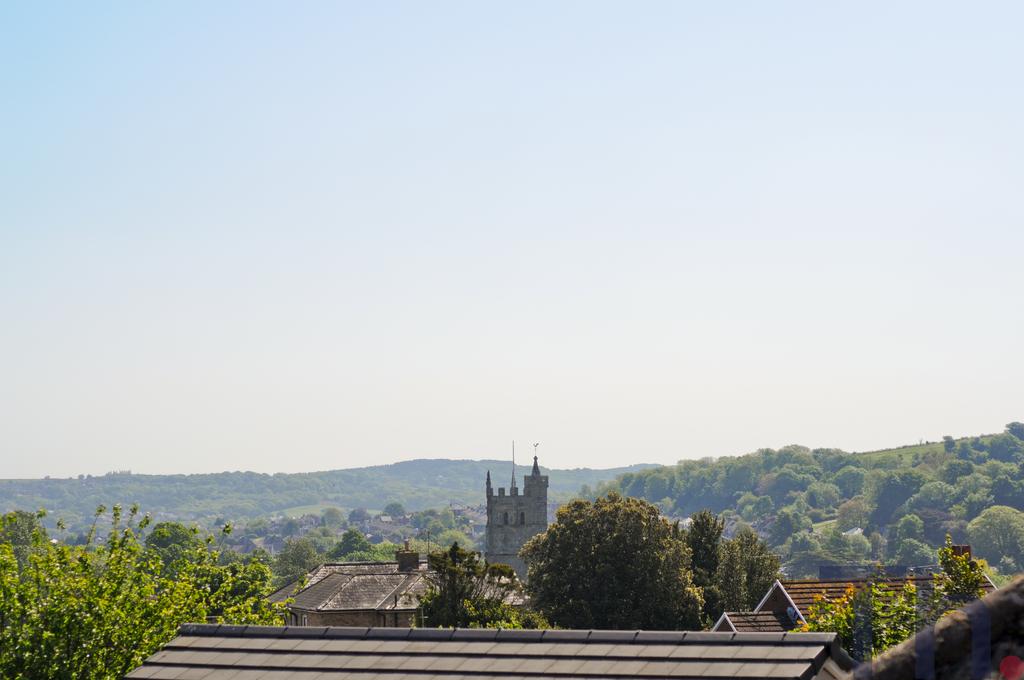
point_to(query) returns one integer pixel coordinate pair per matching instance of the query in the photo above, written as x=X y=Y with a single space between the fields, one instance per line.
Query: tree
x=998 y=532
x=850 y=481
x=352 y=541
x=466 y=592
x=612 y=563
x=911 y=552
x=1005 y=447
x=948 y=444
x=172 y=541
x=731 y=579
x=294 y=561
x=358 y=516
x=954 y=470
x=961 y=580
x=395 y=509
x=18 y=529
x=890 y=489
x=868 y=620
x=746 y=569
x=788 y=522
x=909 y=527
x=332 y=518
x=704 y=538
x=94 y=612
x=852 y=514
x=1016 y=429
x=875 y=617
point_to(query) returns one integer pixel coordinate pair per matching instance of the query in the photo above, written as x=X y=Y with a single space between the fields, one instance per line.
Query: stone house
x=383 y=594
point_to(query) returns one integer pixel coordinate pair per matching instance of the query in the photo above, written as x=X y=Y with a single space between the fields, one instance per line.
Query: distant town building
x=514 y=518
x=383 y=594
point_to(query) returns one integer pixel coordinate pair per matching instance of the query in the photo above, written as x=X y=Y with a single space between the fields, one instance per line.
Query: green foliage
x=352 y=541
x=332 y=517
x=579 y=578
x=19 y=530
x=887 y=491
x=395 y=509
x=998 y=534
x=95 y=611
x=419 y=484
x=746 y=569
x=868 y=620
x=466 y=592
x=909 y=527
x=703 y=538
x=852 y=514
x=294 y=561
x=874 y=618
x=172 y=541
x=912 y=552
x=793 y=491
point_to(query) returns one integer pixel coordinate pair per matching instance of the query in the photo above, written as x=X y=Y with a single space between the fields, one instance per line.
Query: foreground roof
x=219 y=652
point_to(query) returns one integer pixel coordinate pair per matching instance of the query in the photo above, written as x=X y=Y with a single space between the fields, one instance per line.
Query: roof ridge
x=646 y=637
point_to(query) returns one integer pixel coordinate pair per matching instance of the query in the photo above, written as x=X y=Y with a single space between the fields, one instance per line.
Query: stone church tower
x=514 y=518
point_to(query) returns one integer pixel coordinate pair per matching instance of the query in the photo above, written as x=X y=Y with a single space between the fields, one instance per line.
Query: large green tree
x=95 y=611
x=295 y=560
x=704 y=539
x=466 y=592
x=352 y=541
x=998 y=533
x=172 y=541
x=612 y=563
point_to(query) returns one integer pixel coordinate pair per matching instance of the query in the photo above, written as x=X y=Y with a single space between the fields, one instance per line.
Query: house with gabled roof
x=786 y=604
x=357 y=593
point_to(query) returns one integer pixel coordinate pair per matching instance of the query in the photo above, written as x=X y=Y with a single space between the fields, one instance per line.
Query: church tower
x=514 y=518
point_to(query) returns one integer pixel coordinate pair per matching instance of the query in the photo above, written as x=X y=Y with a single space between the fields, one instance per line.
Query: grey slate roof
x=354 y=586
x=220 y=652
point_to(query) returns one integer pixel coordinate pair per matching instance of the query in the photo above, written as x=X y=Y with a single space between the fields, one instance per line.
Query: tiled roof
x=212 y=652
x=804 y=591
x=756 y=622
x=349 y=586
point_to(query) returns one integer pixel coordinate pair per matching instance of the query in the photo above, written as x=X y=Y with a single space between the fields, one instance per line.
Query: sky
x=280 y=237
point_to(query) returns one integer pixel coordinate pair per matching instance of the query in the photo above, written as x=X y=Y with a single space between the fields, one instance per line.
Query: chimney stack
x=408 y=559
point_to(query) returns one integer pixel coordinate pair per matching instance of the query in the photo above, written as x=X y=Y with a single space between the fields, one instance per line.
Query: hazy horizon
x=248 y=236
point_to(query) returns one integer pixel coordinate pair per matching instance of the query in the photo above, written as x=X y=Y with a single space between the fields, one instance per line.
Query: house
x=785 y=606
x=219 y=652
x=380 y=594
x=358 y=593
x=983 y=640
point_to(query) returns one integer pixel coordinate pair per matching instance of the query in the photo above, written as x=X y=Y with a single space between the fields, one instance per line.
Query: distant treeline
x=827 y=506
x=231 y=496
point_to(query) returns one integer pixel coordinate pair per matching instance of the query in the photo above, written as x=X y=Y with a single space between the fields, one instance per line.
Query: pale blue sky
x=288 y=237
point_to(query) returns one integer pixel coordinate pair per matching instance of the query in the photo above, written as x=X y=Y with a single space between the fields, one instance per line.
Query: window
x=505 y=519
x=522 y=518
